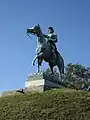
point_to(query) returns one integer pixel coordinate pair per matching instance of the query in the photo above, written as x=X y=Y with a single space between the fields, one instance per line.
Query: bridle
x=29 y=36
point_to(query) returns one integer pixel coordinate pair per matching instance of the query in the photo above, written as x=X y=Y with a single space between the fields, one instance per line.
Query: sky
x=70 y=20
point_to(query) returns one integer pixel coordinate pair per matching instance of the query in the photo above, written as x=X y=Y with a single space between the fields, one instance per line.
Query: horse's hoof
x=33 y=64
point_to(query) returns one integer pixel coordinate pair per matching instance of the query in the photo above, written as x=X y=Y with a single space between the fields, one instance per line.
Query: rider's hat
x=51 y=28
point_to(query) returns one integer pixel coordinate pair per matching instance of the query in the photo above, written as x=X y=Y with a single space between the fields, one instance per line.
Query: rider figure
x=52 y=38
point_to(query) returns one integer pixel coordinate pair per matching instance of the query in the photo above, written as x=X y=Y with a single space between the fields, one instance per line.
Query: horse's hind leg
x=60 y=71
x=51 y=67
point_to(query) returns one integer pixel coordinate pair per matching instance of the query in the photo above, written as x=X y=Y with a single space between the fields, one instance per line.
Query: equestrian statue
x=46 y=49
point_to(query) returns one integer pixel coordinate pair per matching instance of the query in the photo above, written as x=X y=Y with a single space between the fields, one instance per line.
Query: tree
x=75 y=75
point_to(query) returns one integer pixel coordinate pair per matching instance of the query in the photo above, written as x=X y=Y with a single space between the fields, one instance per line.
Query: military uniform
x=51 y=40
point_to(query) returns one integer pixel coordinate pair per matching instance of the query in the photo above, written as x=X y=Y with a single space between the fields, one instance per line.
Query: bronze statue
x=46 y=49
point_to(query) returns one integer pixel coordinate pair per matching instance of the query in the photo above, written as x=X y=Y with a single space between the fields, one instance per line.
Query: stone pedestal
x=34 y=82
x=38 y=83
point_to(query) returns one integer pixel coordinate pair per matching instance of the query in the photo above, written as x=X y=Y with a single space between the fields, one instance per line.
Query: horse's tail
x=60 y=63
x=62 y=66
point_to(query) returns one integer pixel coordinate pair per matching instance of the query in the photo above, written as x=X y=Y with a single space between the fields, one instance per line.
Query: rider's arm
x=53 y=38
x=46 y=36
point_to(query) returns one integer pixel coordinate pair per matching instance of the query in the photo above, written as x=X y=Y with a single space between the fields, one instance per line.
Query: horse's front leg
x=33 y=62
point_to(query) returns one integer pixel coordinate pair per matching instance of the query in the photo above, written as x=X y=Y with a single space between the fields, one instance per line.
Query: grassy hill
x=56 y=104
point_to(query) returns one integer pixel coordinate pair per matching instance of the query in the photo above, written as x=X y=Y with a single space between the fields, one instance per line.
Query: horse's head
x=34 y=30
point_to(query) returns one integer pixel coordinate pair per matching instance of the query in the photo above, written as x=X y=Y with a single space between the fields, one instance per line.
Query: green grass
x=56 y=104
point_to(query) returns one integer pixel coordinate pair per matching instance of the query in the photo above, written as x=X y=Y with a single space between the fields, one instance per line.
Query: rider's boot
x=54 y=49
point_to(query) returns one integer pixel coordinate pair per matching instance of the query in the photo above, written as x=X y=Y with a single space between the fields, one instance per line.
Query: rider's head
x=50 y=30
